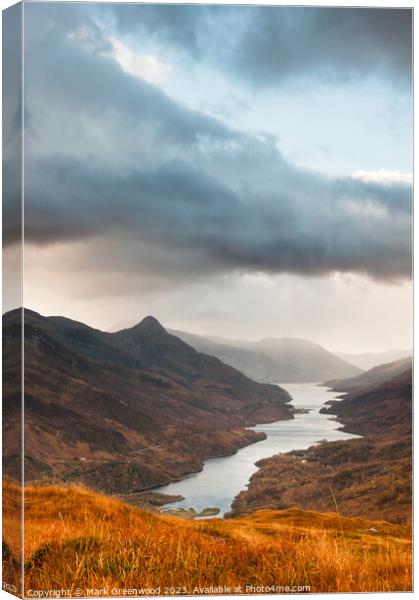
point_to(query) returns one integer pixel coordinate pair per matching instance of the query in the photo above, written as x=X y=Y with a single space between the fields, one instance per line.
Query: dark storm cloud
x=182 y=182
x=348 y=225
x=268 y=45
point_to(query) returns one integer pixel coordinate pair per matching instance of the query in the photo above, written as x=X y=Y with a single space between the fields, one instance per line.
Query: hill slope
x=369 y=477
x=79 y=540
x=282 y=360
x=380 y=408
x=378 y=374
x=124 y=411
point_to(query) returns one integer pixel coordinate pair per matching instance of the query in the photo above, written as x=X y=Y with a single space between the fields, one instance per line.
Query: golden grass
x=75 y=538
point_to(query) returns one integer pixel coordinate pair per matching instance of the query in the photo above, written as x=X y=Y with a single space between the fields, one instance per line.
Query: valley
x=222 y=479
x=369 y=477
x=141 y=415
x=138 y=417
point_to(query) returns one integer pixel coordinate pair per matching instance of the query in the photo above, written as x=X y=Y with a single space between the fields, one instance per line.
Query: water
x=223 y=478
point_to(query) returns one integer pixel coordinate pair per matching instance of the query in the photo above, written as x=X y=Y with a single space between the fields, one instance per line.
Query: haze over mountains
x=123 y=411
x=368 y=360
x=274 y=360
x=285 y=359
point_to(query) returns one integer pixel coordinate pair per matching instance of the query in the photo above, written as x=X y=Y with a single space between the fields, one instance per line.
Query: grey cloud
x=11 y=45
x=212 y=198
x=269 y=45
x=181 y=210
x=186 y=26
x=97 y=86
x=12 y=127
x=332 y=44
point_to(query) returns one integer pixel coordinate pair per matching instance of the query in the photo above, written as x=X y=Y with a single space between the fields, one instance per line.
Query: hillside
x=274 y=360
x=79 y=540
x=379 y=408
x=124 y=411
x=369 y=477
x=378 y=374
x=368 y=360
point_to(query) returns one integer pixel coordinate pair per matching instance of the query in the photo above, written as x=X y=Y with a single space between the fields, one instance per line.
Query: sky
x=241 y=171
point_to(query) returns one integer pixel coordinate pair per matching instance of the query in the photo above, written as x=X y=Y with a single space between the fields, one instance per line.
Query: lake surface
x=223 y=478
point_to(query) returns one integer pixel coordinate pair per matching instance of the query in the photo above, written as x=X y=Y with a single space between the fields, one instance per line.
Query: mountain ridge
x=378 y=374
x=125 y=411
x=368 y=360
x=274 y=360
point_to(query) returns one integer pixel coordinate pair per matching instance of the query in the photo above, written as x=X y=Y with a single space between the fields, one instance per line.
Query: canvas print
x=207 y=299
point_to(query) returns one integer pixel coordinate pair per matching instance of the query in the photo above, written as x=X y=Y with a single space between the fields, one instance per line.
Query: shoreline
x=297 y=410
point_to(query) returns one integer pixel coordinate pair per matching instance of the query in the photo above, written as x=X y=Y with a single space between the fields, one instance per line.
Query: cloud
x=148 y=66
x=184 y=195
x=12 y=126
x=298 y=224
x=337 y=311
x=384 y=177
x=333 y=44
x=266 y=46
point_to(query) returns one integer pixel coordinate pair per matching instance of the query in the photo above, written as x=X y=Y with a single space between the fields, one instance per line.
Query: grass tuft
x=93 y=541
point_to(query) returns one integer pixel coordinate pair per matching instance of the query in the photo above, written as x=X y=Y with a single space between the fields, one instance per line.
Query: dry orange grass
x=75 y=538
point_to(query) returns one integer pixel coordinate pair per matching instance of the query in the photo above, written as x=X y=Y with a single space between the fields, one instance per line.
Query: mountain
x=123 y=411
x=369 y=477
x=379 y=374
x=274 y=360
x=368 y=360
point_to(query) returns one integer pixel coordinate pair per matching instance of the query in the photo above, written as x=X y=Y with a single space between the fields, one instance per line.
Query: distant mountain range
x=368 y=360
x=376 y=375
x=274 y=360
x=122 y=411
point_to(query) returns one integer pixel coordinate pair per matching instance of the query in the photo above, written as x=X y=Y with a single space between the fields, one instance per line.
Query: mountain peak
x=151 y=325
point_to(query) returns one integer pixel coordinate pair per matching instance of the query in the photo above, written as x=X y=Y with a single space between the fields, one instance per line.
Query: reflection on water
x=223 y=478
